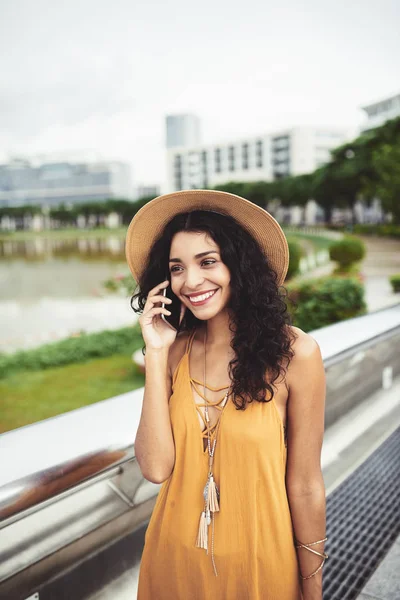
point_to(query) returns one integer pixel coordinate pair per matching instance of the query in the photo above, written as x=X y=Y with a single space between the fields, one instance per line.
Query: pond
x=53 y=288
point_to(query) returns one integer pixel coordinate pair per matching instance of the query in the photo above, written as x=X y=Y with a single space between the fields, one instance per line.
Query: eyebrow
x=196 y=256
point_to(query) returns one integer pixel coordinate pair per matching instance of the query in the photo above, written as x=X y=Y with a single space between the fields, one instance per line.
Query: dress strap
x=189 y=342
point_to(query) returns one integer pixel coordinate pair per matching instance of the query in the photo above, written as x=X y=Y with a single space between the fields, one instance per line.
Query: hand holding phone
x=157 y=332
x=175 y=307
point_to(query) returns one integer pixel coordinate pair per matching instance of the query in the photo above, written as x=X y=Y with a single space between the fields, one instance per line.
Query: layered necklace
x=211 y=493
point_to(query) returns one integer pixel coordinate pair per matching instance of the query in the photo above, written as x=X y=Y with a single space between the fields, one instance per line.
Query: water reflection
x=53 y=288
x=39 y=248
x=44 y=320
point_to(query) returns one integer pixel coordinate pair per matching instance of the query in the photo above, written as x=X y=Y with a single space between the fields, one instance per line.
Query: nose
x=194 y=279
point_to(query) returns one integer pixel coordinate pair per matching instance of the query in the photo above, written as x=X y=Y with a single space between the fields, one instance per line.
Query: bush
x=315 y=304
x=395 y=282
x=124 y=283
x=73 y=350
x=388 y=230
x=295 y=254
x=346 y=252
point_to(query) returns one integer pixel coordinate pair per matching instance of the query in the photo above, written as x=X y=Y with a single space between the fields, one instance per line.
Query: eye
x=209 y=261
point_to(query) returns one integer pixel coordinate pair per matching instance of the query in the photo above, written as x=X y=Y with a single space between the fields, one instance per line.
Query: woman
x=233 y=411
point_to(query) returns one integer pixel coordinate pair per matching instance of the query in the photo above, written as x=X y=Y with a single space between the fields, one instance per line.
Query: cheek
x=176 y=287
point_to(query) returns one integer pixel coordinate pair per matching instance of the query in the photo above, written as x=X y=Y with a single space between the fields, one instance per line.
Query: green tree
x=386 y=160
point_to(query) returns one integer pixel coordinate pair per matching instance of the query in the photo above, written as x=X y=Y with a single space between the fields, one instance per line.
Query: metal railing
x=69 y=476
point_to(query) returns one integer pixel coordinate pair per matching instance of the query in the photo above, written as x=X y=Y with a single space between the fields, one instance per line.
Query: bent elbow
x=157 y=477
x=157 y=473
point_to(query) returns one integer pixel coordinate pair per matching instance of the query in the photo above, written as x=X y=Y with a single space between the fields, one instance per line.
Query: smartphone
x=175 y=307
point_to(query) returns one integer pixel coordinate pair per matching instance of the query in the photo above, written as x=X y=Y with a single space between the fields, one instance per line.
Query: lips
x=200 y=302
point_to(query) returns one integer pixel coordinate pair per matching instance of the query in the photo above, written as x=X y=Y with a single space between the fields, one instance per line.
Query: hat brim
x=150 y=221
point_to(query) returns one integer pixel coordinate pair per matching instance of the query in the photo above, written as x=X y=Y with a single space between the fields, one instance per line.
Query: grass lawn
x=64 y=234
x=30 y=396
x=319 y=242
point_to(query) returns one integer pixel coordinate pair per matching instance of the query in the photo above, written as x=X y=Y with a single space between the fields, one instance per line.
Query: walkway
x=382 y=260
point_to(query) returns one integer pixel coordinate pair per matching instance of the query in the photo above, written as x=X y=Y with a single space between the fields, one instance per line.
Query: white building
x=182 y=130
x=264 y=157
x=382 y=111
x=52 y=184
x=147 y=191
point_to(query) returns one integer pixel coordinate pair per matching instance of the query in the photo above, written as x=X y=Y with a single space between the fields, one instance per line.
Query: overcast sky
x=96 y=75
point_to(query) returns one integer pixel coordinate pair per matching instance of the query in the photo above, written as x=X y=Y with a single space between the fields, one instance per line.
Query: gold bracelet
x=323 y=555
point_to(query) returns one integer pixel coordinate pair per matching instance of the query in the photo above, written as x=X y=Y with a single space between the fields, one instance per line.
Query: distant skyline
x=95 y=76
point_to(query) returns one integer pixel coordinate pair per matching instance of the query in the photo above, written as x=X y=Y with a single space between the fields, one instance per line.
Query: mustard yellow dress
x=254 y=549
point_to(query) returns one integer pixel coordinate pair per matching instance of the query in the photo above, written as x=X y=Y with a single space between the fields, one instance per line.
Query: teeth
x=201 y=298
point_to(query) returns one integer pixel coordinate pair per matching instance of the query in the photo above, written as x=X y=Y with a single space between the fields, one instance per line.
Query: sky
x=98 y=77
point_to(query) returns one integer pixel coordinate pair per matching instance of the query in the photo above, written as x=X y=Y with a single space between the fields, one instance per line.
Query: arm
x=154 y=444
x=304 y=480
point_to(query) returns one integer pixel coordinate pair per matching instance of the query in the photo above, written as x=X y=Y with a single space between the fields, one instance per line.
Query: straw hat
x=149 y=222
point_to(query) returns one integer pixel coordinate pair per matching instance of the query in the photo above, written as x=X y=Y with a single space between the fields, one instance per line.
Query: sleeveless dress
x=254 y=547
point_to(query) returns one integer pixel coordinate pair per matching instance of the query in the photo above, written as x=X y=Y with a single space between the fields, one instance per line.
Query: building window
x=177 y=164
x=280 y=142
x=245 y=156
x=231 y=158
x=217 y=159
x=204 y=161
x=259 y=154
x=178 y=171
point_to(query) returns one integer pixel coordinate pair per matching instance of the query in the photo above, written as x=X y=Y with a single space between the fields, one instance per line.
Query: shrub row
x=295 y=254
x=388 y=230
x=321 y=302
x=73 y=350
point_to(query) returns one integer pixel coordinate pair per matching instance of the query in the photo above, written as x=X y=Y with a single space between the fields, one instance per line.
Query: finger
x=159 y=287
x=156 y=301
x=160 y=298
x=157 y=310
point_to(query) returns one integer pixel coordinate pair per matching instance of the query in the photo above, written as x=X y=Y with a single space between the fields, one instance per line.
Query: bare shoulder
x=305 y=349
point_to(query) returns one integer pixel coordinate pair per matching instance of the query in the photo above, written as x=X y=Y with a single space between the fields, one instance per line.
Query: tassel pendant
x=202 y=536
x=205 y=491
x=213 y=495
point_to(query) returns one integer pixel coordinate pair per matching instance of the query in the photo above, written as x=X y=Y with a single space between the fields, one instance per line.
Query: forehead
x=190 y=242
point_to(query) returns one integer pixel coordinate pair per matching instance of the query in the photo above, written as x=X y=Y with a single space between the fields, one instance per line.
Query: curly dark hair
x=262 y=340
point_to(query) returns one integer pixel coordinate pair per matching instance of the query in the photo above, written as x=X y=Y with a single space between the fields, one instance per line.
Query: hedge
x=73 y=350
x=315 y=304
x=295 y=254
x=392 y=231
x=395 y=282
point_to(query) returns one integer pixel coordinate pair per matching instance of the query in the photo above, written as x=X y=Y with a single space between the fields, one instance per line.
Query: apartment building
x=55 y=183
x=379 y=112
x=263 y=157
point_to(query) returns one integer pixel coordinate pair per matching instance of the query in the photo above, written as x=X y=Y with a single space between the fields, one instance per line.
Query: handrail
x=39 y=462
x=43 y=460
x=340 y=338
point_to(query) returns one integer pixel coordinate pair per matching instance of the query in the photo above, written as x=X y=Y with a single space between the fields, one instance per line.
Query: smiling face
x=198 y=276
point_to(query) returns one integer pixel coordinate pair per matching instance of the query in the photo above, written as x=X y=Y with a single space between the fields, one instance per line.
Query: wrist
x=155 y=353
